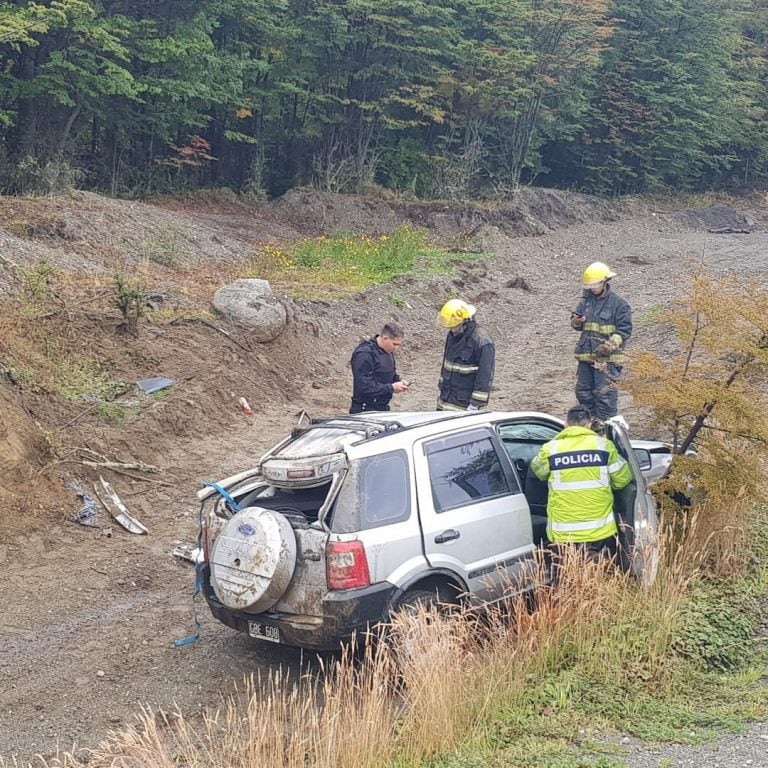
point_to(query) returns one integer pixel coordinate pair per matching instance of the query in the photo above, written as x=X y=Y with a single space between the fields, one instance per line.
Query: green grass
x=73 y=378
x=165 y=249
x=651 y=316
x=346 y=263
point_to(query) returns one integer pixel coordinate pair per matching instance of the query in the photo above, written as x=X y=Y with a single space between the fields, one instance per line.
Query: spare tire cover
x=253 y=560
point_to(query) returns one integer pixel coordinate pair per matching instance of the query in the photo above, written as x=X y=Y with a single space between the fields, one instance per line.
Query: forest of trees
x=432 y=98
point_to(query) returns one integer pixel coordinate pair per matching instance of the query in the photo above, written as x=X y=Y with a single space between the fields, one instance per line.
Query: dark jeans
x=596 y=389
x=594 y=551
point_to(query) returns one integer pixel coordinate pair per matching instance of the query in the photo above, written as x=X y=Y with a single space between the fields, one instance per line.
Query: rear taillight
x=347 y=565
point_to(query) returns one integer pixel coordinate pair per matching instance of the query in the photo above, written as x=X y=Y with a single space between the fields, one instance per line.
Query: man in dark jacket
x=469 y=360
x=605 y=322
x=375 y=378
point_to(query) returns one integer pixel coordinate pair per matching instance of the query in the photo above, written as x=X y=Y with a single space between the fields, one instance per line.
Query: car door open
x=635 y=511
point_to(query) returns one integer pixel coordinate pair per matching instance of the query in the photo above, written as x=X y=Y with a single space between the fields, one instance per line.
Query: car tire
x=406 y=640
x=418 y=599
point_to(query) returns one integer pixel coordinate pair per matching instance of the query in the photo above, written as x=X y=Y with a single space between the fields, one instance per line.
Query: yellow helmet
x=455 y=312
x=595 y=273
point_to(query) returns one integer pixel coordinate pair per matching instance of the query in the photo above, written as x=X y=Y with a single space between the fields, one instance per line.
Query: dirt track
x=89 y=621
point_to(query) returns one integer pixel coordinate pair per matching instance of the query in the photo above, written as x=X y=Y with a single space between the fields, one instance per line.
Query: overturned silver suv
x=349 y=519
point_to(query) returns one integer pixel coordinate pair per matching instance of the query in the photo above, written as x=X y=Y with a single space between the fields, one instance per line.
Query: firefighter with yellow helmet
x=605 y=322
x=469 y=360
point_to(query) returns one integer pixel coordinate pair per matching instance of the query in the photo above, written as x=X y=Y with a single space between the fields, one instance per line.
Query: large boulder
x=250 y=303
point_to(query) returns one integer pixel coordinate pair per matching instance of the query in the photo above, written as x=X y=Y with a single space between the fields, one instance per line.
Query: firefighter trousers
x=596 y=388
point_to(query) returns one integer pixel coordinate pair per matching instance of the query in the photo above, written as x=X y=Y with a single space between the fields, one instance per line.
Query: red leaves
x=195 y=153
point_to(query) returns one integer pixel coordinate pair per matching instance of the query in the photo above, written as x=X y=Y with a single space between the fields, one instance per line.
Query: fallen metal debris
x=155 y=384
x=122 y=515
x=188 y=552
x=86 y=515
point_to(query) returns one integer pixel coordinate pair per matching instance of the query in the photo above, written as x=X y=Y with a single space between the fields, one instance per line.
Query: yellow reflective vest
x=581 y=469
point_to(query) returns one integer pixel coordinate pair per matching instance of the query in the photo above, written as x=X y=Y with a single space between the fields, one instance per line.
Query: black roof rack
x=369 y=427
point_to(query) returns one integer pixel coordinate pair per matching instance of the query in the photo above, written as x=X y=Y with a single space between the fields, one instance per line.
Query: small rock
x=316 y=385
x=625 y=740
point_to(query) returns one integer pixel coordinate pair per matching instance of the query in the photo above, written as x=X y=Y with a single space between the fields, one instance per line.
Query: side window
x=466 y=469
x=376 y=491
x=534 y=431
x=386 y=489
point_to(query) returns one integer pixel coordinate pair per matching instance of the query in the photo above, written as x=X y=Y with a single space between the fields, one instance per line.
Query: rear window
x=376 y=491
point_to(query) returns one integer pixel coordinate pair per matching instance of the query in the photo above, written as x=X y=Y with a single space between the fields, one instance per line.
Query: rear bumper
x=344 y=614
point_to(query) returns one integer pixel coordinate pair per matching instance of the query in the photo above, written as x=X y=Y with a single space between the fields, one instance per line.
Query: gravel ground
x=89 y=621
x=744 y=750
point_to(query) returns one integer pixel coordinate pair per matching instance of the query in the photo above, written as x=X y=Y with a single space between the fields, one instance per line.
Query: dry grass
x=432 y=684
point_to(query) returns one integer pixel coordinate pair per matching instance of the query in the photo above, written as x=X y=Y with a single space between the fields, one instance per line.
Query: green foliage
x=164 y=249
x=113 y=413
x=36 y=283
x=78 y=378
x=131 y=300
x=468 y=97
x=717 y=626
x=665 y=113
x=354 y=263
x=42 y=368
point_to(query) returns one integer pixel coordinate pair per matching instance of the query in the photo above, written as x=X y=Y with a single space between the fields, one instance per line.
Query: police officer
x=374 y=374
x=605 y=322
x=581 y=468
x=469 y=360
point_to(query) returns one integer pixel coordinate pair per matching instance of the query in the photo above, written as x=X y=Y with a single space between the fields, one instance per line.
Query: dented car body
x=348 y=517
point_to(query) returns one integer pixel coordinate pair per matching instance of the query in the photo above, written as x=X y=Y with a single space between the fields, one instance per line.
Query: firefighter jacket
x=608 y=319
x=581 y=469
x=373 y=371
x=466 y=377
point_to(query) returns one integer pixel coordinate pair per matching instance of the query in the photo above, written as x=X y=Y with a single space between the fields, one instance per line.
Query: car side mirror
x=643 y=458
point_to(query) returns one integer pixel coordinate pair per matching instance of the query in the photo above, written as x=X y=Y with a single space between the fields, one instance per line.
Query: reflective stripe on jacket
x=469 y=361
x=581 y=469
x=606 y=315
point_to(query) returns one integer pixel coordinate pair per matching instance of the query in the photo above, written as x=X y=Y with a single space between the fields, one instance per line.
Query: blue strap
x=230 y=501
x=193 y=638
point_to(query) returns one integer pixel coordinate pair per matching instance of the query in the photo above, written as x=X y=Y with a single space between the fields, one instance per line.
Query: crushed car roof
x=322 y=436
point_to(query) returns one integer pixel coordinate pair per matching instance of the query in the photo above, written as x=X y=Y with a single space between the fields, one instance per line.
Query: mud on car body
x=349 y=518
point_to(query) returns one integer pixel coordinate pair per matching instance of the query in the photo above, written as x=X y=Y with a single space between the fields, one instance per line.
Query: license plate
x=264 y=631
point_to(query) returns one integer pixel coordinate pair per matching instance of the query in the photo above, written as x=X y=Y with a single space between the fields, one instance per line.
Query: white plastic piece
x=122 y=515
x=253 y=560
x=620 y=420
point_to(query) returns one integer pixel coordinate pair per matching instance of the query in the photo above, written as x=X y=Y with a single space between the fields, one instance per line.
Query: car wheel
x=416 y=643
x=418 y=599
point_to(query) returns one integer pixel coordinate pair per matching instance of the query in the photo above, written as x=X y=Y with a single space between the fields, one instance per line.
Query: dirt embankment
x=183 y=256
x=98 y=600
